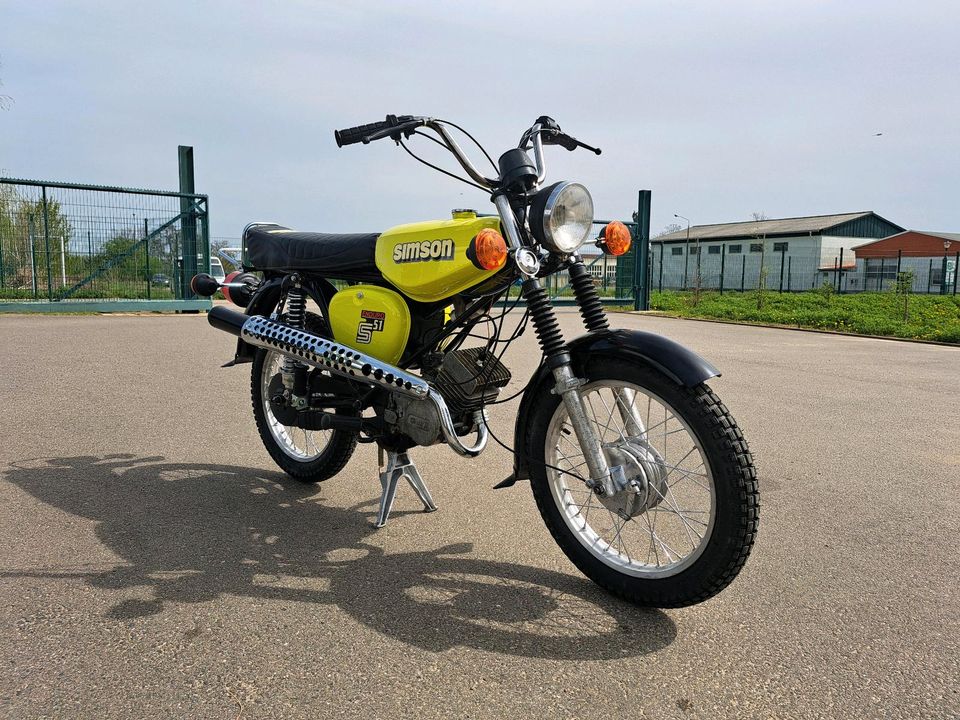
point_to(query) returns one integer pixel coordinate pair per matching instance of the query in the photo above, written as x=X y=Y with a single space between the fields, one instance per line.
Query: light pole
x=686 y=250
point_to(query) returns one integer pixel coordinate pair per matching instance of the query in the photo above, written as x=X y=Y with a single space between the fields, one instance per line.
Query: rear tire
x=322 y=453
x=725 y=491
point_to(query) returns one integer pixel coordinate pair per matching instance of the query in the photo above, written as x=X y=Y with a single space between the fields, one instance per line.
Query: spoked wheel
x=307 y=455
x=685 y=515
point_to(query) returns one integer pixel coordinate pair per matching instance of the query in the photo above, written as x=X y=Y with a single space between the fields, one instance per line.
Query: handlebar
x=544 y=132
x=353 y=135
x=392 y=126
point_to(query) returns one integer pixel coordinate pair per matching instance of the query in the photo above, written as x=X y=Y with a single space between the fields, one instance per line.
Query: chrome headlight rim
x=545 y=205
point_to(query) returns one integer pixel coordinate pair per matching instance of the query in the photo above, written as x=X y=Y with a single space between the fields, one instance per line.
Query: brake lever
x=568 y=142
x=595 y=151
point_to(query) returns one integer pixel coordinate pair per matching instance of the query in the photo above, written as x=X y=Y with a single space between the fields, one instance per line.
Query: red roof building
x=911 y=243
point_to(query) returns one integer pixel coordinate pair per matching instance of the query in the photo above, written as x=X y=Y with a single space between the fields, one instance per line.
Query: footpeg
x=399 y=465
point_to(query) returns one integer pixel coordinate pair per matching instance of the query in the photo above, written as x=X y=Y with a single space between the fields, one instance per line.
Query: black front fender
x=674 y=360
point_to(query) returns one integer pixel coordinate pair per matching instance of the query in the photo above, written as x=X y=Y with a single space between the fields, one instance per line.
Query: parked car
x=160 y=279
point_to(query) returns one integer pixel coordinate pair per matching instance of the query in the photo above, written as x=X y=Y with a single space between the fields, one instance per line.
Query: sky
x=720 y=109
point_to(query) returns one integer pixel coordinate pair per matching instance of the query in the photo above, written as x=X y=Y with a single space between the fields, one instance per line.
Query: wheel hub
x=644 y=473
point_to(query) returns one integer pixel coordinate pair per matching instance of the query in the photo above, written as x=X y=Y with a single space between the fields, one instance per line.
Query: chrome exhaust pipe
x=326 y=354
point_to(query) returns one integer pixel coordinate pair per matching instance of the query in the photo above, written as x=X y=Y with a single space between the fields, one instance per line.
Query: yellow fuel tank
x=372 y=319
x=428 y=261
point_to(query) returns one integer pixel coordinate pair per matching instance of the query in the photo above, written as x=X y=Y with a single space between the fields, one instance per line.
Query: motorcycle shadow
x=193 y=532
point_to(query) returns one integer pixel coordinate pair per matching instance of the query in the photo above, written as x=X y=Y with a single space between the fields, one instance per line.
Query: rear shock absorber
x=293 y=372
x=588 y=299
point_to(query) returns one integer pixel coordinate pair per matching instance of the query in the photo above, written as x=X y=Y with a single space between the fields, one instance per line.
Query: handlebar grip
x=350 y=136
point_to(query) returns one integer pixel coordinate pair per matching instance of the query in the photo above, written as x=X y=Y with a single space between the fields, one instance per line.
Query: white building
x=792 y=251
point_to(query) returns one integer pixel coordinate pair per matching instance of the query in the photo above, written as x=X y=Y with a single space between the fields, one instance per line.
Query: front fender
x=677 y=362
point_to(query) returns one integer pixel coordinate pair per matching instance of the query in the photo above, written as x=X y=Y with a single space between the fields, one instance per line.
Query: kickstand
x=399 y=465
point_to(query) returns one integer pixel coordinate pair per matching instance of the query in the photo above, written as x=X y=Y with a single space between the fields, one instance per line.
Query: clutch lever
x=404 y=128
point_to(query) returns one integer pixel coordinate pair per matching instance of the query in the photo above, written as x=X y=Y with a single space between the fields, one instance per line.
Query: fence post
x=660 y=277
x=789 y=271
x=943 y=276
x=743 y=275
x=146 y=242
x=842 y=278
x=205 y=235
x=723 y=264
x=930 y=276
x=31 y=232
x=2 y=282
x=641 y=289
x=649 y=280
x=783 y=255
x=956 y=271
x=46 y=242
x=879 y=279
x=188 y=221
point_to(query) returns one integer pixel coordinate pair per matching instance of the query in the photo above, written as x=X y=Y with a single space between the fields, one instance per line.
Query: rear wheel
x=681 y=528
x=307 y=455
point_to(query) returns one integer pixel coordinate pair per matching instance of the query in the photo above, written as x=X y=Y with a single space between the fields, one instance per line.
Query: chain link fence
x=745 y=266
x=63 y=242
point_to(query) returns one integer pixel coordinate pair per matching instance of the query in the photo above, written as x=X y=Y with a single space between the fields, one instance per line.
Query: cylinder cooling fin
x=470 y=378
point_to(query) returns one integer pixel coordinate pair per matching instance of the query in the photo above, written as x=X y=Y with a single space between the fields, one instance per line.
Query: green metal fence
x=73 y=247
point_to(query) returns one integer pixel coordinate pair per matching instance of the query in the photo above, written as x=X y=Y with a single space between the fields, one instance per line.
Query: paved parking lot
x=155 y=564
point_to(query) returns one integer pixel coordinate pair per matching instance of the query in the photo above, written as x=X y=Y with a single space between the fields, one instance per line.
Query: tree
x=23 y=235
x=669 y=229
x=5 y=100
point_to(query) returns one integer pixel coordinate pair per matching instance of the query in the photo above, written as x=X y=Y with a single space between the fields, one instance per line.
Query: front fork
x=604 y=480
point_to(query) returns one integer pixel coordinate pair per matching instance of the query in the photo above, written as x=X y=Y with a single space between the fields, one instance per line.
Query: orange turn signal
x=488 y=251
x=616 y=238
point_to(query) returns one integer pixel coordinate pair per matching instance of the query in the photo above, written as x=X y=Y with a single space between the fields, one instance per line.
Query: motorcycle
x=638 y=470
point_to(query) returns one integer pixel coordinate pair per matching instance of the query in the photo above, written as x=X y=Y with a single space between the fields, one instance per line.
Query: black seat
x=349 y=256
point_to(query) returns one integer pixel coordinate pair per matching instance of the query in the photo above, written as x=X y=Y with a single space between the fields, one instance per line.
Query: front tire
x=685 y=527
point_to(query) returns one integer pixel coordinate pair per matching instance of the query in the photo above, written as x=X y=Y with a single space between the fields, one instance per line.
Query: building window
x=780 y=247
x=694 y=250
x=876 y=270
x=735 y=249
x=676 y=251
x=713 y=250
x=756 y=247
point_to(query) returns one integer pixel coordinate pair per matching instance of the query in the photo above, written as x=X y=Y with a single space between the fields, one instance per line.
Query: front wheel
x=682 y=525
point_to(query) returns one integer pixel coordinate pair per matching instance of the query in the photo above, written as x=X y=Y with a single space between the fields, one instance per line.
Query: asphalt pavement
x=155 y=563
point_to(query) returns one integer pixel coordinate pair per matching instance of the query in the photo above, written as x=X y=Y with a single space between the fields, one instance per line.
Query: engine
x=467 y=379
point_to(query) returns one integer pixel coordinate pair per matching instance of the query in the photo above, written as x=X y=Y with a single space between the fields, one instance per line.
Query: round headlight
x=562 y=216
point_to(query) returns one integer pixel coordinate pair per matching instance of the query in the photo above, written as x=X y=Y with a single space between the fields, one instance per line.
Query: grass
x=930 y=317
